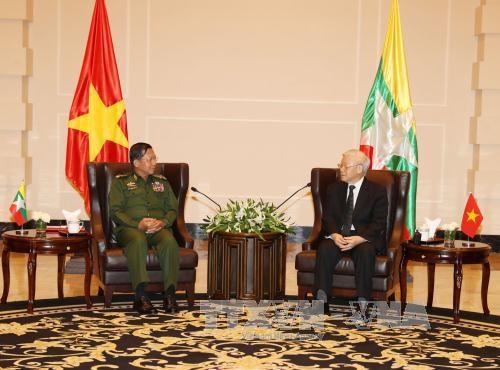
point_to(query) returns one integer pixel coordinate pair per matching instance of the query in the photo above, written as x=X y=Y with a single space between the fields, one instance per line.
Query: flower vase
x=449 y=238
x=41 y=228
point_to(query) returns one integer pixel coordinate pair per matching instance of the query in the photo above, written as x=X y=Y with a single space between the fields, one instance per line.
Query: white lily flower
x=450 y=226
x=45 y=217
x=248 y=216
x=240 y=214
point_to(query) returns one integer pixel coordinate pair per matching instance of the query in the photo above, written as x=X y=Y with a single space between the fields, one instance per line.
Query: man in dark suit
x=354 y=223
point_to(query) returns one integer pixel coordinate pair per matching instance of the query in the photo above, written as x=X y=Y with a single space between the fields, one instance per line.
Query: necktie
x=346 y=227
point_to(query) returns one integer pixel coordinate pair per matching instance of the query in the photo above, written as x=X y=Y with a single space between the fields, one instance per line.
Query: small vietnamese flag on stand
x=472 y=217
x=97 y=125
x=18 y=206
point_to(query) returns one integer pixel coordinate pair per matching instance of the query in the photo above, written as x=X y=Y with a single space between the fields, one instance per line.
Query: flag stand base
x=21 y=232
x=468 y=244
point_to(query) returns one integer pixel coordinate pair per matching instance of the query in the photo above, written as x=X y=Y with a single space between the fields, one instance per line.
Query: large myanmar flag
x=388 y=132
x=97 y=126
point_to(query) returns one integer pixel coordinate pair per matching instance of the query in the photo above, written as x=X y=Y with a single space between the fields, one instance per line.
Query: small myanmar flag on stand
x=388 y=132
x=18 y=206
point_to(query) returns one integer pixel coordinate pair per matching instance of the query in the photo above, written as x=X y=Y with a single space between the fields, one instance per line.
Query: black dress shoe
x=360 y=321
x=326 y=308
x=323 y=297
x=144 y=306
x=170 y=304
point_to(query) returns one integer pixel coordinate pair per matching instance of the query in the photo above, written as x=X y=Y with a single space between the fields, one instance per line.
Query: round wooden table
x=52 y=243
x=458 y=256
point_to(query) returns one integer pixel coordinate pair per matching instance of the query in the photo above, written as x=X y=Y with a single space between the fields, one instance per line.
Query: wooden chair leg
x=100 y=292
x=108 y=296
x=302 y=292
x=190 y=295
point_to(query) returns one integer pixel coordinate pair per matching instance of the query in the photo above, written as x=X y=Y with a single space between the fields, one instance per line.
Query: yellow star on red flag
x=100 y=123
x=471 y=215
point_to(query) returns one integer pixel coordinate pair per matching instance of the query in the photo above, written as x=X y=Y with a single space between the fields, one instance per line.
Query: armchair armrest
x=98 y=244
x=98 y=236
x=184 y=233
x=396 y=237
x=394 y=253
x=311 y=240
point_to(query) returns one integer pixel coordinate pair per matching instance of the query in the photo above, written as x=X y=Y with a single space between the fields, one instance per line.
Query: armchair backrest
x=101 y=174
x=396 y=183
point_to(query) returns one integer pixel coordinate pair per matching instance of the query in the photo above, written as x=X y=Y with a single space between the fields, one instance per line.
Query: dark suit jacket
x=370 y=212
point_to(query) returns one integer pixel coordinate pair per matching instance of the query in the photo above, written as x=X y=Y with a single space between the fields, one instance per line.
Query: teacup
x=74 y=226
x=424 y=232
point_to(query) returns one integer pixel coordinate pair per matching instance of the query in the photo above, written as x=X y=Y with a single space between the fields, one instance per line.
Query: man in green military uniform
x=144 y=208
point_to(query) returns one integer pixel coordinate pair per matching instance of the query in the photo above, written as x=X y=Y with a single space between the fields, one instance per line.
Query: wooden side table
x=52 y=243
x=458 y=256
x=243 y=266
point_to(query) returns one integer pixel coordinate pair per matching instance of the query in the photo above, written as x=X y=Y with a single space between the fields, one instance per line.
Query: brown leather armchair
x=110 y=264
x=386 y=276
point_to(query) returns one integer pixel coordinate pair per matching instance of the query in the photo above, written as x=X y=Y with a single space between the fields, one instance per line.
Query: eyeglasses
x=343 y=165
x=148 y=159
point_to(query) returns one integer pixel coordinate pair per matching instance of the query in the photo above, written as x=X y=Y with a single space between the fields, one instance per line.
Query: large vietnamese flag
x=97 y=126
x=388 y=132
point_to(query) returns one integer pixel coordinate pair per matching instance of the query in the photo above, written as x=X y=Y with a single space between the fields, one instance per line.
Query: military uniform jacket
x=131 y=199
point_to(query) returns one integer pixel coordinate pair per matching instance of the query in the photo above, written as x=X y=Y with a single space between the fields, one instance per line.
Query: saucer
x=433 y=241
x=64 y=231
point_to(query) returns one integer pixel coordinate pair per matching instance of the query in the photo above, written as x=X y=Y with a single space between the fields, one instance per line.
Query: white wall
x=253 y=94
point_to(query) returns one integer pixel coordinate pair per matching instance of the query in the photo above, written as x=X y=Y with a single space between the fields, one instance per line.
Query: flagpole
x=22 y=231
x=468 y=243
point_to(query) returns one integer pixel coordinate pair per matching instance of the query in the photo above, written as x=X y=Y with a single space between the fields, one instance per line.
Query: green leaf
x=248 y=216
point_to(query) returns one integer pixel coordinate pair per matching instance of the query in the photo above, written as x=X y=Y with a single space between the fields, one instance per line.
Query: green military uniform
x=130 y=200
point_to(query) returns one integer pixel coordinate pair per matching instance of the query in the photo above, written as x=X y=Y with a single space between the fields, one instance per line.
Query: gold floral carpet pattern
x=72 y=337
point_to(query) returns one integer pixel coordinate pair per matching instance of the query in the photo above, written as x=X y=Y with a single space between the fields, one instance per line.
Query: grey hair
x=360 y=158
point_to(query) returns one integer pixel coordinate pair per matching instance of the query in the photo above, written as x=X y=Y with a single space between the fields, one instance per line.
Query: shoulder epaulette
x=121 y=175
x=160 y=176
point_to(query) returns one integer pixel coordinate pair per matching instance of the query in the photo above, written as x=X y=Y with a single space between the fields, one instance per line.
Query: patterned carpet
x=212 y=336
